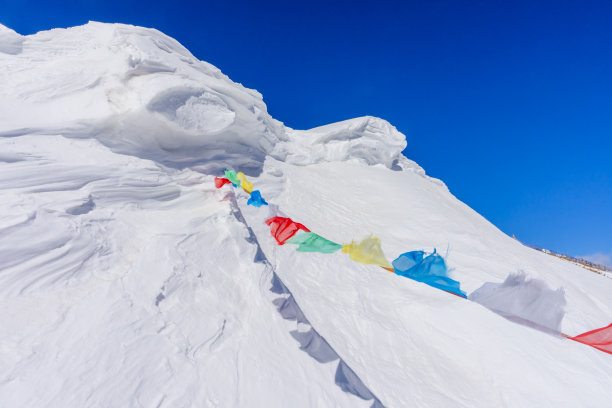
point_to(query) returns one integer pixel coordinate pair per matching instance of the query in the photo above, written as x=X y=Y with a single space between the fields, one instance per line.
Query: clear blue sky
x=508 y=102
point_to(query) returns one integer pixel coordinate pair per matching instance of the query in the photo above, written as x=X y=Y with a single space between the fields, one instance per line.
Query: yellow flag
x=246 y=184
x=367 y=251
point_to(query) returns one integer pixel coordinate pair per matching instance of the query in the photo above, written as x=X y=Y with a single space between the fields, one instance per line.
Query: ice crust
x=128 y=279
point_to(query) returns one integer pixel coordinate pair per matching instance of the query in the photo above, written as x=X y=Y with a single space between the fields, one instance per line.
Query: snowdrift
x=128 y=279
x=530 y=302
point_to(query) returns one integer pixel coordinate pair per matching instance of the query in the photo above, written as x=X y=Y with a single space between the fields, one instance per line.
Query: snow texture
x=529 y=301
x=128 y=279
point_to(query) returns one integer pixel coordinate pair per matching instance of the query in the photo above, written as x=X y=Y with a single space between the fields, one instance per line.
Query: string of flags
x=538 y=307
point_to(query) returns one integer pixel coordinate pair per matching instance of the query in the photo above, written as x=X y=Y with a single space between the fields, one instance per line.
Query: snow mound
x=529 y=301
x=141 y=93
x=128 y=279
x=368 y=140
x=138 y=92
x=10 y=41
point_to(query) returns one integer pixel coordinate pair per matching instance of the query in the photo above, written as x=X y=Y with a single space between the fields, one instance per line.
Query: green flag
x=311 y=242
x=231 y=176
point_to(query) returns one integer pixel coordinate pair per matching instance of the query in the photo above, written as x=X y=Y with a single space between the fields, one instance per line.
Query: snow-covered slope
x=127 y=279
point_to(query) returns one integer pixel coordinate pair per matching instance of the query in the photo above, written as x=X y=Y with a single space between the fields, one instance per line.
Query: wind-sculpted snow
x=122 y=286
x=10 y=41
x=138 y=92
x=368 y=140
x=141 y=93
x=528 y=300
x=127 y=279
x=43 y=251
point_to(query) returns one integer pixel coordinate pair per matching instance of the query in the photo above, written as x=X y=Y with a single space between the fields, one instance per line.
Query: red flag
x=601 y=339
x=220 y=182
x=283 y=228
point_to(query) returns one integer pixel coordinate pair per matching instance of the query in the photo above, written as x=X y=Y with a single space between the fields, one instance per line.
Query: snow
x=529 y=301
x=127 y=279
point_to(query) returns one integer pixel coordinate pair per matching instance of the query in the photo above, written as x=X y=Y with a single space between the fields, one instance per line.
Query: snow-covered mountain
x=127 y=279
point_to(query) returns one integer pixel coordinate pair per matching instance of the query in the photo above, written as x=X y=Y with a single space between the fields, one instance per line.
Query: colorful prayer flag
x=367 y=251
x=311 y=242
x=256 y=199
x=283 y=228
x=220 y=182
x=231 y=176
x=247 y=186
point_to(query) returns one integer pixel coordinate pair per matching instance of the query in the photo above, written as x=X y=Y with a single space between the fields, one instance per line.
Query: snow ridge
x=141 y=93
x=310 y=340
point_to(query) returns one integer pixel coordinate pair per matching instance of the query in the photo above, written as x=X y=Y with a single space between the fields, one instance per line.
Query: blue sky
x=508 y=102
